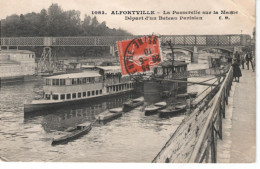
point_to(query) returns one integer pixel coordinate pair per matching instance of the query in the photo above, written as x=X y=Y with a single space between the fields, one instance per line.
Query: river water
x=131 y=138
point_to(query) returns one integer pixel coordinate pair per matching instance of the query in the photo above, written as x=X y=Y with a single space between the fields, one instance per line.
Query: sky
x=243 y=22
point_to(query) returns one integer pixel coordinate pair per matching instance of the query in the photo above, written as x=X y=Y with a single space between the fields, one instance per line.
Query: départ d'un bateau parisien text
x=194 y=12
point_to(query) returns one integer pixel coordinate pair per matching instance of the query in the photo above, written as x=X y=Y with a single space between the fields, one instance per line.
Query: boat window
x=88 y=93
x=84 y=80
x=93 y=93
x=114 y=88
x=84 y=94
x=74 y=95
x=107 y=89
x=80 y=80
x=47 y=96
x=62 y=82
x=62 y=96
x=96 y=92
x=47 y=81
x=55 y=82
x=100 y=91
x=123 y=86
x=79 y=95
x=68 y=96
x=74 y=81
x=91 y=79
x=55 y=97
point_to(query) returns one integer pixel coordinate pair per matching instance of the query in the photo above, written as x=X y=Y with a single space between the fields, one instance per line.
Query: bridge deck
x=239 y=126
x=176 y=40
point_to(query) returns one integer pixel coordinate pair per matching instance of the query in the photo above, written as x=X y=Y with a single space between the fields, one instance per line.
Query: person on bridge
x=249 y=59
x=243 y=60
x=238 y=57
x=236 y=70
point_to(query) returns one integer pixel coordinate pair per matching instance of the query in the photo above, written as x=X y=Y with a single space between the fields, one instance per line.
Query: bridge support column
x=194 y=55
x=112 y=50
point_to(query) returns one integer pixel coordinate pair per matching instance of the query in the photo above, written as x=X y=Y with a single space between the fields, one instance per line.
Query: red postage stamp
x=139 y=55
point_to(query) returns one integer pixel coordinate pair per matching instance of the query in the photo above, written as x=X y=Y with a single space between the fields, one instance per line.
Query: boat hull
x=32 y=108
x=72 y=136
x=108 y=117
x=128 y=107
x=170 y=112
x=152 y=112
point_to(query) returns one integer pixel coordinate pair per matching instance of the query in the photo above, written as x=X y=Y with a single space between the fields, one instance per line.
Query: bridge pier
x=194 y=55
x=112 y=50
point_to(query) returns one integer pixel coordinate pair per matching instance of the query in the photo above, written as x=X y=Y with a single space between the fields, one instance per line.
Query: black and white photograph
x=128 y=81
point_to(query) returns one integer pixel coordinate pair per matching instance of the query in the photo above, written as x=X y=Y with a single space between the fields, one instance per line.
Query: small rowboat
x=108 y=116
x=131 y=104
x=187 y=95
x=73 y=133
x=152 y=109
x=116 y=110
x=171 y=111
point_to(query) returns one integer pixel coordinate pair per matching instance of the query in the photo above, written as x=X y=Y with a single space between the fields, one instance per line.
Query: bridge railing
x=207 y=40
x=195 y=140
x=178 y=40
x=206 y=146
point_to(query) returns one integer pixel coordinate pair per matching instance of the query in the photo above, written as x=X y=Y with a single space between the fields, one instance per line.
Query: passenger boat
x=152 y=109
x=87 y=86
x=131 y=104
x=171 y=111
x=156 y=85
x=108 y=116
x=73 y=134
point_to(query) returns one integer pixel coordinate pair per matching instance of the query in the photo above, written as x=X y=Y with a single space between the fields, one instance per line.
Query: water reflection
x=64 y=118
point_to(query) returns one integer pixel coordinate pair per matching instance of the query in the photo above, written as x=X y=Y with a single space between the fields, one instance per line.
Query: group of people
x=240 y=60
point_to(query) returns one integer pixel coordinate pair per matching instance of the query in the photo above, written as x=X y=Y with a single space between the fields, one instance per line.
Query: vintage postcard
x=142 y=81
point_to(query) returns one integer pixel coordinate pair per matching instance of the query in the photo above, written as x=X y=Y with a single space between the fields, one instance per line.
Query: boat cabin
x=167 y=68
x=72 y=86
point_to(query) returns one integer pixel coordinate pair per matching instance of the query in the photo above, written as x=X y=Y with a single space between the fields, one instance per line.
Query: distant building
x=16 y=65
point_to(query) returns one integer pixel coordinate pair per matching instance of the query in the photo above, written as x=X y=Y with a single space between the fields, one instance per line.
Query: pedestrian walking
x=238 y=57
x=236 y=70
x=243 y=61
x=249 y=59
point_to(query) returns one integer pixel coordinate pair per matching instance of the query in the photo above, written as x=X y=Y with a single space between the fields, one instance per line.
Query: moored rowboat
x=171 y=111
x=152 y=109
x=131 y=104
x=107 y=116
x=73 y=134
